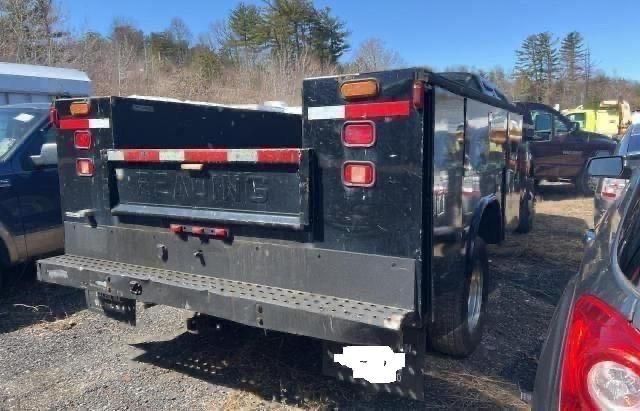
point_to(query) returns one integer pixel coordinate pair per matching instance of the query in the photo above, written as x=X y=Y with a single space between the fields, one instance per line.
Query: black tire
x=454 y=332
x=584 y=185
x=527 y=213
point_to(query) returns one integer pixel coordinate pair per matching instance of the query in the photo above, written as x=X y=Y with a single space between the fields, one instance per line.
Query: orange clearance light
x=85 y=167
x=359 y=134
x=79 y=108
x=359 y=89
x=82 y=139
x=358 y=174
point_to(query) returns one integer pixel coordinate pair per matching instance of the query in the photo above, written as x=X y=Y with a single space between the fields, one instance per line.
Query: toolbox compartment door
x=243 y=190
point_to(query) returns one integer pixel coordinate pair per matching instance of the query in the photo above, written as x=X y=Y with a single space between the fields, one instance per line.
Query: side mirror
x=48 y=156
x=612 y=166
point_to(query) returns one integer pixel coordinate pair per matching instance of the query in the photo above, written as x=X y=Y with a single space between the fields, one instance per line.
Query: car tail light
x=359 y=134
x=601 y=365
x=85 y=167
x=359 y=174
x=82 y=139
x=79 y=108
x=612 y=187
x=359 y=89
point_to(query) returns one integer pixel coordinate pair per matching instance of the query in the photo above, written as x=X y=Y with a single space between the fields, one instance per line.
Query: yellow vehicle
x=611 y=118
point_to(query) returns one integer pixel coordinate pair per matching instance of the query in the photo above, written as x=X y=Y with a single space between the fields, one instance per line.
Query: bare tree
x=372 y=55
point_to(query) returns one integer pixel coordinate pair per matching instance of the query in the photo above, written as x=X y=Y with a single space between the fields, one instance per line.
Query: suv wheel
x=461 y=307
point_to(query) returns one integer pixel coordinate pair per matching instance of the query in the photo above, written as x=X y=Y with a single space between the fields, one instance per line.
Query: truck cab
x=560 y=148
x=30 y=214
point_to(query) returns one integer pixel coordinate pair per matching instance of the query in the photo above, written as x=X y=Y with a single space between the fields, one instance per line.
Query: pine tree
x=247 y=27
x=537 y=66
x=328 y=37
x=550 y=64
x=572 y=56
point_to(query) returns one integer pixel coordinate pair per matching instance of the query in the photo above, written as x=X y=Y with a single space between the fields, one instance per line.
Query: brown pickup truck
x=559 y=148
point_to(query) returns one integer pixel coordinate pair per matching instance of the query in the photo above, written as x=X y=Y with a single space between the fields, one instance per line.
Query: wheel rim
x=474 y=302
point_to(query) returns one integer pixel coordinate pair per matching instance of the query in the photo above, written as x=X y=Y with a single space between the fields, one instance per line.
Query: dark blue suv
x=30 y=214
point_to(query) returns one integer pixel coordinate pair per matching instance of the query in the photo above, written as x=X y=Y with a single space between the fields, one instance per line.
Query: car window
x=629 y=245
x=633 y=139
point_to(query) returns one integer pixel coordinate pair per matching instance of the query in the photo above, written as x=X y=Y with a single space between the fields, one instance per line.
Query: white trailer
x=25 y=83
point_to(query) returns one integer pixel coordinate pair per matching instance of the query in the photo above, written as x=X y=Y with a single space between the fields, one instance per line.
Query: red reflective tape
x=74 y=123
x=142 y=156
x=371 y=110
x=277 y=156
x=205 y=156
x=221 y=232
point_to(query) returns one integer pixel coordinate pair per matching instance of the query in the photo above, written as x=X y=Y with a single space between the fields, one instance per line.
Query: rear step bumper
x=291 y=311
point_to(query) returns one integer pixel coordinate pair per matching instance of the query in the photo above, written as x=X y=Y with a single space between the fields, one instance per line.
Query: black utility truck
x=362 y=222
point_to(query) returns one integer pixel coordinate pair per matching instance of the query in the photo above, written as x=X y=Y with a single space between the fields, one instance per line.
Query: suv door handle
x=5 y=183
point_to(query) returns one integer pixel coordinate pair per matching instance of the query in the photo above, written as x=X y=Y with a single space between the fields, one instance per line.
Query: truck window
x=15 y=126
x=543 y=125
x=560 y=126
x=580 y=118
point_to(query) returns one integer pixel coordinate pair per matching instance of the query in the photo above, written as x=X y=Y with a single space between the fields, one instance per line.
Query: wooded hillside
x=260 y=53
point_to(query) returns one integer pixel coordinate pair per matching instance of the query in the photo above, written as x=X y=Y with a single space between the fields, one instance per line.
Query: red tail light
x=359 y=174
x=82 y=139
x=85 y=167
x=601 y=366
x=612 y=187
x=359 y=134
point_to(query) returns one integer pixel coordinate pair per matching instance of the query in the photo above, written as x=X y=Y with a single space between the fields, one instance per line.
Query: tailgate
x=268 y=187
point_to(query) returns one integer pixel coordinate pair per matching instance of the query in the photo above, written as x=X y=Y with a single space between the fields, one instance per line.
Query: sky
x=476 y=33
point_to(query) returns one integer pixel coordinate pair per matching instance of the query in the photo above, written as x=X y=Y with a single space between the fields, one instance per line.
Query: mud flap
x=117 y=308
x=410 y=379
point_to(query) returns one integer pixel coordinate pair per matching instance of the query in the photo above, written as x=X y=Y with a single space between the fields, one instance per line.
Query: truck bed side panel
x=384 y=219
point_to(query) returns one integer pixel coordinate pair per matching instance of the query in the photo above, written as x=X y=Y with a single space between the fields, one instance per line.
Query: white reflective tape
x=171 y=155
x=115 y=155
x=326 y=113
x=99 y=123
x=242 y=156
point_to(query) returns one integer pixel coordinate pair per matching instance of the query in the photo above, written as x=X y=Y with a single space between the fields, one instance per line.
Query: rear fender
x=487 y=222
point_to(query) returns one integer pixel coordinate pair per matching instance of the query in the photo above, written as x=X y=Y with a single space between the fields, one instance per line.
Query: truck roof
x=27 y=78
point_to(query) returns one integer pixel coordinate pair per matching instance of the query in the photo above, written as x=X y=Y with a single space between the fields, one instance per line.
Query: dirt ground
x=55 y=354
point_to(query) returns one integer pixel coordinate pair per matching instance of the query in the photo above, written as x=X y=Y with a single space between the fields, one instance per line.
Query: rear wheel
x=460 y=307
x=527 y=212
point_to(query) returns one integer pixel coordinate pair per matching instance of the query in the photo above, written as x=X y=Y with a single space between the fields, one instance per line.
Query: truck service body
x=361 y=222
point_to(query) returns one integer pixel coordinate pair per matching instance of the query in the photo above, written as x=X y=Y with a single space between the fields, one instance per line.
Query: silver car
x=610 y=189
